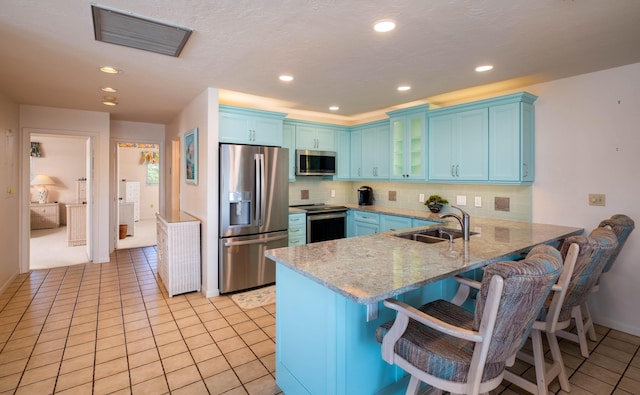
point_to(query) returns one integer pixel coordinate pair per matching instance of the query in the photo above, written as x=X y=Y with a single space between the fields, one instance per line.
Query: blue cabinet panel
x=247 y=126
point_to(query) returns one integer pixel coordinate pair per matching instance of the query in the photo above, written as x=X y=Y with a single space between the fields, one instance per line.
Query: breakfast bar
x=329 y=298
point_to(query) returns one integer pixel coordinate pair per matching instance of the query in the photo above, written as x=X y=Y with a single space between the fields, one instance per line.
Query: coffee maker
x=365 y=196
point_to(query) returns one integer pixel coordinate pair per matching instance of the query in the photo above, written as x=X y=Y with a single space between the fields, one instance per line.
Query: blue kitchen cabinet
x=375 y=150
x=511 y=142
x=488 y=141
x=407 y=143
x=325 y=343
x=343 y=149
x=248 y=126
x=297 y=229
x=365 y=223
x=355 y=149
x=458 y=145
x=311 y=136
x=390 y=223
x=289 y=141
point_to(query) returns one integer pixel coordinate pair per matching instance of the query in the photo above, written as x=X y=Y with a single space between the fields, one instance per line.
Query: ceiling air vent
x=116 y=27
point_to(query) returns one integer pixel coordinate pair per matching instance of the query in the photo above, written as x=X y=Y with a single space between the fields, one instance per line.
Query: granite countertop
x=369 y=269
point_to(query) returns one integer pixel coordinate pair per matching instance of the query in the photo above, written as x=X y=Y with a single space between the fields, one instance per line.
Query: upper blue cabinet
x=488 y=141
x=370 y=151
x=407 y=143
x=248 y=126
x=458 y=146
x=315 y=137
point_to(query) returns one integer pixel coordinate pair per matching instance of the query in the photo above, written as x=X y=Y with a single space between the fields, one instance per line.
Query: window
x=153 y=173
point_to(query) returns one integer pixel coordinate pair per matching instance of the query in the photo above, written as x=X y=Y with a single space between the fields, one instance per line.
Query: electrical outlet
x=596 y=199
x=421 y=198
x=478 y=201
x=333 y=193
x=461 y=200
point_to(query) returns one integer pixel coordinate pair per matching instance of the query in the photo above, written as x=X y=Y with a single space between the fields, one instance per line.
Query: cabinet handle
x=525 y=170
x=453 y=173
x=457 y=170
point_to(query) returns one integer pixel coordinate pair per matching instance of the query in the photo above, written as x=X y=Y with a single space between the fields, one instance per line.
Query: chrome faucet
x=463 y=219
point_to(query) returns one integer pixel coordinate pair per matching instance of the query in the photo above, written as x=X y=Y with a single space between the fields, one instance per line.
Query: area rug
x=255 y=298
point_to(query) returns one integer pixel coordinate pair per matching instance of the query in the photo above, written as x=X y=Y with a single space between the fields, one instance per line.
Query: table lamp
x=40 y=181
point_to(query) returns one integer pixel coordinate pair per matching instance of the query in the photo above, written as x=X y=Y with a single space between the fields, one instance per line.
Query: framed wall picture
x=191 y=156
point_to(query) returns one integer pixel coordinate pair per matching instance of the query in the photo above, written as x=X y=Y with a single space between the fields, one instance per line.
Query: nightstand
x=45 y=215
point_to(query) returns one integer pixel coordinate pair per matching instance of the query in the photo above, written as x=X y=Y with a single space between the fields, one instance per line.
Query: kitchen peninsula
x=329 y=298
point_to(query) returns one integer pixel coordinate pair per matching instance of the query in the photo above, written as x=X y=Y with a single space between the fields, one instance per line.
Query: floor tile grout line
x=164 y=372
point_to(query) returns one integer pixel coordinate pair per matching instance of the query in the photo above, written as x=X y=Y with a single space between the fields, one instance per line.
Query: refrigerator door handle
x=254 y=241
x=260 y=192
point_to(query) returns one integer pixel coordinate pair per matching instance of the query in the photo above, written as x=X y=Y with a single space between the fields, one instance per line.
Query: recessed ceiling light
x=109 y=70
x=403 y=88
x=109 y=101
x=286 y=78
x=334 y=108
x=383 y=26
x=108 y=89
x=487 y=67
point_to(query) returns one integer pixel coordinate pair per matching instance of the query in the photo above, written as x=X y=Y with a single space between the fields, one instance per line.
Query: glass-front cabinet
x=407 y=142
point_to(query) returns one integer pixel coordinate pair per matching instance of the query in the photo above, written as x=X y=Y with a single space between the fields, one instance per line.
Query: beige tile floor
x=111 y=328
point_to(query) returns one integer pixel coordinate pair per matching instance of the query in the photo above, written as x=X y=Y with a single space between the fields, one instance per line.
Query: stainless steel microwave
x=315 y=163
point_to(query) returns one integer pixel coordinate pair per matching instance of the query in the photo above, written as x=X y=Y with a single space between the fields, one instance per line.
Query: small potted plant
x=435 y=203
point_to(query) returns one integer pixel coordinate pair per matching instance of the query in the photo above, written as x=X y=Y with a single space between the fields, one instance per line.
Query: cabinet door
x=356 y=154
x=315 y=138
x=407 y=147
x=249 y=129
x=326 y=139
x=289 y=141
x=511 y=143
x=458 y=146
x=343 y=147
x=441 y=138
x=364 y=228
x=305 y=137
x=266 y=131
x=375 y=152
x=234 y=128
x=504 y=142
x=473 y=146
x=390 y=223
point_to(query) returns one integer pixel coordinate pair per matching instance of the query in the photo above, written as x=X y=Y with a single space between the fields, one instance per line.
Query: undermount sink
x=433 y=235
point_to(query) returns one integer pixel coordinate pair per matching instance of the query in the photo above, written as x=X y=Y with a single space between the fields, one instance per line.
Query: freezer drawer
x=242 y=263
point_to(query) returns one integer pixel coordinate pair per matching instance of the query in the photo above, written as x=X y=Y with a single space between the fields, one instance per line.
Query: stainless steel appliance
x=365 y=196
x=315 y=163
x=325 y=222
x=254 y=200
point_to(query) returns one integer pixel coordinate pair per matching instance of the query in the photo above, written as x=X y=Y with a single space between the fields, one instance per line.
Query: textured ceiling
x=50 y=57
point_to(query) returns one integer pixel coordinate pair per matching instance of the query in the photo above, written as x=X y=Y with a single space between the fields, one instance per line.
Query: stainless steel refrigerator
x=254 y=209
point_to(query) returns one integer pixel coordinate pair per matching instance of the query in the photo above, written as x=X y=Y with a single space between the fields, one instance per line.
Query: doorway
x=59 y=213
x=138 y=175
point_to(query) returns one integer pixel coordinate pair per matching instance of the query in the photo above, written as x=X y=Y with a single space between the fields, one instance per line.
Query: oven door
x=329 y=226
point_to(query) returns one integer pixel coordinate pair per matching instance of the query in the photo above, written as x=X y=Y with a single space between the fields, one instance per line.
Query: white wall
x=10 y=196
x=95 y=125
x=588 y=141
x=201 y=200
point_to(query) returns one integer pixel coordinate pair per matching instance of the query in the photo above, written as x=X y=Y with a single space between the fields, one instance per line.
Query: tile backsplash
x=407 y=194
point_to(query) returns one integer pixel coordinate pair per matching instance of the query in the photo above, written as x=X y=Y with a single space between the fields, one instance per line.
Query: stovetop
x=319 y=207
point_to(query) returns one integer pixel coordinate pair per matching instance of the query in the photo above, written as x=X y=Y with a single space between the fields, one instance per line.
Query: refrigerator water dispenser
x=240 y=208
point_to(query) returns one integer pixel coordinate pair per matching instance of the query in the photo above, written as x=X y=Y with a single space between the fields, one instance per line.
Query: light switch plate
x=461 y=200
x=333 y=193
x=478 y=201
x=596 y=199
x=421 y=197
